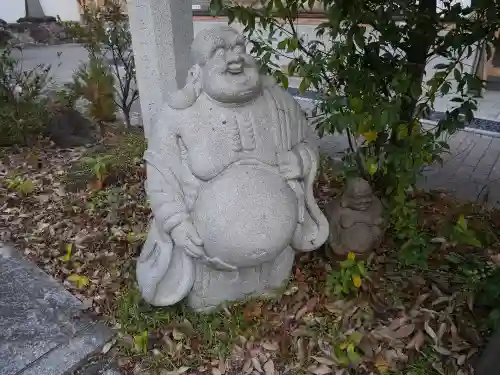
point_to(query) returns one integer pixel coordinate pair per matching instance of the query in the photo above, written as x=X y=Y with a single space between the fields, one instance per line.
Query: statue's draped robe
x=167 y=274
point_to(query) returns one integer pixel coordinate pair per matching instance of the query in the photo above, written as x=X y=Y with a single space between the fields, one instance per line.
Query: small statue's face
x=360 y=203
x=231 y=75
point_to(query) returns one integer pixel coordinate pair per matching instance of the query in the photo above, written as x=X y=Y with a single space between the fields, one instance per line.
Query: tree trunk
x=126 y=113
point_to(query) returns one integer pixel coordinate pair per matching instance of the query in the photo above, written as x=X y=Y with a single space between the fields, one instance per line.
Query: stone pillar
x=162 y=33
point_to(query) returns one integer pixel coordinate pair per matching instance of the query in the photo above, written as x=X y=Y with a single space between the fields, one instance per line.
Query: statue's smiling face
x=230 y=74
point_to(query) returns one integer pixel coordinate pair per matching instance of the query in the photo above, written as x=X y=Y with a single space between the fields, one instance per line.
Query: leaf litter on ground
x=89 y=240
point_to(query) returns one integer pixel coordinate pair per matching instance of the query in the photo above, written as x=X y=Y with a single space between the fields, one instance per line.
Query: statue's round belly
x=246 y=216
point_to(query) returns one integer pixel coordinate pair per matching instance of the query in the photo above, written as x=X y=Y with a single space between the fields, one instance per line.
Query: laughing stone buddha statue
x=230 y=169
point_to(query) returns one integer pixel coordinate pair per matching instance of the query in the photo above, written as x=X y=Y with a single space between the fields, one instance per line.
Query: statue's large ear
x=187 y=96
x=194 y=77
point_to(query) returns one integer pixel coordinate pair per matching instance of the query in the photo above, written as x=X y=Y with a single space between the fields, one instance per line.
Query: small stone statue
x=356 y=222
x=230 y=169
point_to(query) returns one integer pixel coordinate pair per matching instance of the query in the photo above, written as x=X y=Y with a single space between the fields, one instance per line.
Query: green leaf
x=445 y=88
x=355 y=337
x=65 y=258
x=284 y=80
x=372 y=168
x=141 y=342
x=416 y=89
x=348 y=263
x=352 y=355
x=370 y=136
x=457 y=75
x=359 y=37
x=337 y=289
x=304 y=85
x=474 y=242
x=79 y=280
x=356 y=104
x=441 y=66
x=462 y=222
x=293 y=44
x=361 y=268
x=283 y=44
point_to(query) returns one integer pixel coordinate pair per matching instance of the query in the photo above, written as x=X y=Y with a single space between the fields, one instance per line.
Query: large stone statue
x=230 y=170
x=356 y=219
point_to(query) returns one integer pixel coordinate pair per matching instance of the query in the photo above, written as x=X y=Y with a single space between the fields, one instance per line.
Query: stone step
x=44 y=329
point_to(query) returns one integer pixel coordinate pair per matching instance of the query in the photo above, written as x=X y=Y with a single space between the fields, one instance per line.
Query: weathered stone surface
x=44 y=19
x=356 y=221
x=69 y=128
x=162 y=32
x=43 y=329
x=231 y=165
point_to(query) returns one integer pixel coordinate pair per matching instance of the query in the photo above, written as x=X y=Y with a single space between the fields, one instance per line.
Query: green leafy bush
x=21 y=185
x=105 y=34
x=94 y=82
x=348 y=279
x=367 y=65
x=23 y=107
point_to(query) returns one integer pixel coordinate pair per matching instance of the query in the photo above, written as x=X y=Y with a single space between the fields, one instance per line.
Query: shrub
x=23 y=107
x=105 y=32
x=95 y=83
x=367 y=65
x=20 y=185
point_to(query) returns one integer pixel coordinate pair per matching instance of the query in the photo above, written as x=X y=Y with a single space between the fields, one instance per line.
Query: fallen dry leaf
x=256 y=364
x=431 y=332
x=269 y=367
x=324 y=361
x=381 y=364
x=270 y=345
x=319 y=370
x=417 y=341
x=404 y=331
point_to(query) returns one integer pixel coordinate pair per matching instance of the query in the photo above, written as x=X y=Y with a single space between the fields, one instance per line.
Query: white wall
x=465 y=3
x=68 y=10
x=11 y=11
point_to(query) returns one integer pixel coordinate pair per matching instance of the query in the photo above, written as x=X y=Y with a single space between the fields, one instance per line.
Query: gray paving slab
x=43 y=328
x=471 y=169
x=479 y=148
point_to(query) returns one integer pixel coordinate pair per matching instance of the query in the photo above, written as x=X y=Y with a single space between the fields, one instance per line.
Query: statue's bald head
x=208 y=41
x=358 y=194
x=223 y=70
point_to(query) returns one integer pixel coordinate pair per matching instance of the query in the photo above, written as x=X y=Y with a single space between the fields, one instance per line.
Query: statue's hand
x=186 y=236
x=290 y=165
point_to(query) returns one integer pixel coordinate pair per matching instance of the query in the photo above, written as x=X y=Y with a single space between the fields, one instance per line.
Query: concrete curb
x=45 y=329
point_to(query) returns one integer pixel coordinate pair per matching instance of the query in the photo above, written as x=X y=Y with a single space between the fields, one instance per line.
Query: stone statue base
x=212 y=287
